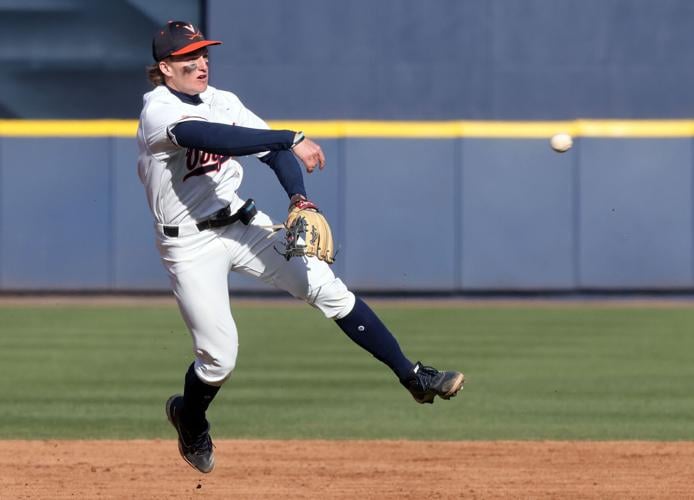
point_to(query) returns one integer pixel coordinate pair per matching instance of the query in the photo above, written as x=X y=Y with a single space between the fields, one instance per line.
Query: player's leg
x=365 y=328
x=312 y=280
x=198 y=274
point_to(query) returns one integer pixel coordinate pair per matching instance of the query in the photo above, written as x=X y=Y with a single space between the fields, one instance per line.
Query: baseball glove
x=307 y=233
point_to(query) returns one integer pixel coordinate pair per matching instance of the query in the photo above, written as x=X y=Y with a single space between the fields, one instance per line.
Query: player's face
x=187 y=73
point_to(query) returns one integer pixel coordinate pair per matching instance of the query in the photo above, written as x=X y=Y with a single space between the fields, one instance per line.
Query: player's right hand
x=310 y=154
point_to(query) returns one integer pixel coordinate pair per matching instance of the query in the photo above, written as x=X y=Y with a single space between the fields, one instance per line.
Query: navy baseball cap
x=176 y=38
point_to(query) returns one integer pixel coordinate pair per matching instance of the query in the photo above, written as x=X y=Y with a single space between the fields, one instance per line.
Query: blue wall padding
x=450 y=215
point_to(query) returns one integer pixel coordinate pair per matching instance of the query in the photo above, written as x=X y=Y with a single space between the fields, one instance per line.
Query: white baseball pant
x=198 y=265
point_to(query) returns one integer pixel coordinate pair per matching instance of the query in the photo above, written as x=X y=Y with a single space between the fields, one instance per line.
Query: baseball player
x=189 y=134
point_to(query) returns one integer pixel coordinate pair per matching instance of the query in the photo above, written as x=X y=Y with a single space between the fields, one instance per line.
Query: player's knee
x=333 y=299
x=214 y=370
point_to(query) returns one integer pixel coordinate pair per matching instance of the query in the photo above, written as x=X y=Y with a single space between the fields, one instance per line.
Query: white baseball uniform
x=185 y=186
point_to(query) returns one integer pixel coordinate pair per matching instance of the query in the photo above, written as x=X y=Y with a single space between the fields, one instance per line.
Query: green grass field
x=572 y=372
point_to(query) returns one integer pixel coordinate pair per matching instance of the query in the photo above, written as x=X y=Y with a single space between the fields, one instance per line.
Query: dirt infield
x=349 y=469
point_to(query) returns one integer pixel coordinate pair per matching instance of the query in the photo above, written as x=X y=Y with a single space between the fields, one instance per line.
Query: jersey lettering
x=201 y=162
x=165 y=166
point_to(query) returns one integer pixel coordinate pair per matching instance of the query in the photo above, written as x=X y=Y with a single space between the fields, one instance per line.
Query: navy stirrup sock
x=197 y=396
x=366 y=330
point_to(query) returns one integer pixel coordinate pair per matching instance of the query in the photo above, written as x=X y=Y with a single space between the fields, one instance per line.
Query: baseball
x=561 y=142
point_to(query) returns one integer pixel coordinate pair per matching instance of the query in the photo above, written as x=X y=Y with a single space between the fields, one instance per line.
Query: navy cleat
x=427 y=382
x=195 y=449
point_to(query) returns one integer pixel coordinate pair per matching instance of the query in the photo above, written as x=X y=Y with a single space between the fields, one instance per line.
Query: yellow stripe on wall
x=383 y=129
x=68 y=128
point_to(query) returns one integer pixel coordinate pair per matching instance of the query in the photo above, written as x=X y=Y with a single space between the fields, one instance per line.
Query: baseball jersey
x=185 y=185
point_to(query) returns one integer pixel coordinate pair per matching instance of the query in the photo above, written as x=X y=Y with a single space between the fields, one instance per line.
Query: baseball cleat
x=427 y=382
x=196 y=450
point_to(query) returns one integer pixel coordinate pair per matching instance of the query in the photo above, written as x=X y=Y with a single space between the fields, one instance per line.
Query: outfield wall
x=450 y=206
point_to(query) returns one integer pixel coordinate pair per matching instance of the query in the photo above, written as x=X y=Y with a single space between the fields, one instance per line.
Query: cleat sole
x=456 y=386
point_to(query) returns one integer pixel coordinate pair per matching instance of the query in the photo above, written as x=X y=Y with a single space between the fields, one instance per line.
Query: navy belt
x=221 y=218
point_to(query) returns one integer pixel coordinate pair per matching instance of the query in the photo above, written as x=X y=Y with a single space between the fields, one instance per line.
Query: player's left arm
x=287 y=170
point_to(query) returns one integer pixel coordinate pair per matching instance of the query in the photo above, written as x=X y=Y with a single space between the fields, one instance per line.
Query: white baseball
x=561 y=142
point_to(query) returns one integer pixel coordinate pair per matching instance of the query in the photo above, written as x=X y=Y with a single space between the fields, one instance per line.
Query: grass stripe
x=577 y=372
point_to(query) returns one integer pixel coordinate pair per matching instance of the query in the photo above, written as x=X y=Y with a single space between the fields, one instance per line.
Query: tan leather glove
x=308 y=232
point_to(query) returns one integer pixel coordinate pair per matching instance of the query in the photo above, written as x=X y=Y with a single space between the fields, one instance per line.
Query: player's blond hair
x=154 y=75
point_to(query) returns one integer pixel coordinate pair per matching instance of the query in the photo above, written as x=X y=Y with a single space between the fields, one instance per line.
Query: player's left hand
x=310 y=154
x=307 y=232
